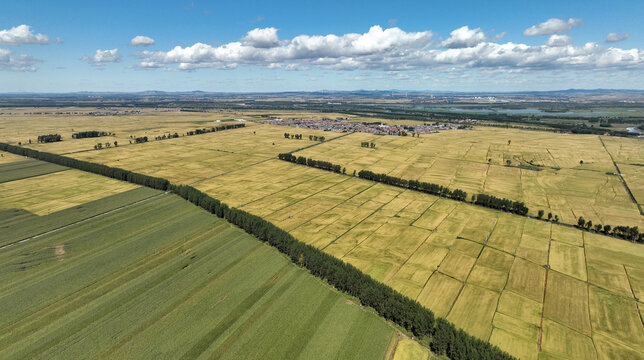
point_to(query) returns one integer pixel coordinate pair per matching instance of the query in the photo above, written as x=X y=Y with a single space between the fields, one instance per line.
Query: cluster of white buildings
x=373 y=128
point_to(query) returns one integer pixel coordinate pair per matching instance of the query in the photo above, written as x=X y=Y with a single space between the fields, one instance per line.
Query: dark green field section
x=165 y=279
x=18 y=224
x=26 y=169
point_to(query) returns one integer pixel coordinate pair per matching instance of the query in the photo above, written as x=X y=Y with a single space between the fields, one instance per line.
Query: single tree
x=549 y=215
x=581 y=162
x=581 y=222
x=606 y=229
x=540 y=214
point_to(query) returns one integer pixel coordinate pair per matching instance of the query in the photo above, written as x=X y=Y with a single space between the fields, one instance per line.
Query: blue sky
x=285 y=46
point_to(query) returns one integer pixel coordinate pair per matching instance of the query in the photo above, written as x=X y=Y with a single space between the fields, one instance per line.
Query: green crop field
x=163 y=278
x=534 y=288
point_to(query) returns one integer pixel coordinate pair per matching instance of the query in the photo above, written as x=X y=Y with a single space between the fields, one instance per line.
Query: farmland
x=483 y=270
x=163 y=278
x=536 y=289
x=568 y=175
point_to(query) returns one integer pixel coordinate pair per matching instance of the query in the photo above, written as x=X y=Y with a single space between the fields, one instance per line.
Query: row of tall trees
x=390 y=304
x=425 y=187
x=324 y=165
x=316 y=138
x=169 y=136
x=625 y=232
x=366 y=144
x=141 y=139
x=490 y=201
x=49 y=138
x=504 y=204
x=215 y=129
x=293 y=136
x=90 y=134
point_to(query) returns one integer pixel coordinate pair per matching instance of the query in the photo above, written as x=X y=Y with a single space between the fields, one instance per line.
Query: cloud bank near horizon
x=394 y=49
x=387 y=50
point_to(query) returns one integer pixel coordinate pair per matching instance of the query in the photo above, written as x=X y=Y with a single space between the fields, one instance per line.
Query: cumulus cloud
x=103 y=56
x=616 y=37
x=261 y=38
x=552 y=26
x=392 y=50
x=141 y=40
x=559 y=40
x=22 y=35
x=464 y=37
x=10 y=62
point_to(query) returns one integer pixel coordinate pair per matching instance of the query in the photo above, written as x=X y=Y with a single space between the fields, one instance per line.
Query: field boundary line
x=470 y=202
x=419 y=246
x=326 y=211
x=619 y=173
x=373 y=232
x=233 y=170
x=637 y=306
x=82 y=221
x=287 y=188
x=263 y=161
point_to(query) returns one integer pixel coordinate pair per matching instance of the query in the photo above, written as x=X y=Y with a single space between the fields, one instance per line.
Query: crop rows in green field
x=163 y=278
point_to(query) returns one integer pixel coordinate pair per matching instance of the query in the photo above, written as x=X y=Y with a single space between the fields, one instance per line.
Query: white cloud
x=553 y=26
x=500 y=36
x=22 y=35
x=141 y=40
x=261 y=38
x=614 y=37
x=464 y=37
x=395 y=50
x=103 y=56
x=9 y=62
x=559 y=40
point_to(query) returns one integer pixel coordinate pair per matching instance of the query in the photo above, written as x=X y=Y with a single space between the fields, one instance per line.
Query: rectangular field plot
x=507 y=233
x=170 y=160
x=561 y=342
x=520 y=307
x=457 y=265
x=617 y=317
x=18 y=225
x=439 y=293
x=164 y=278
x=567 y=302
x=568 y=259
x=46 y=194
x=474 y=310
x=527 y=279
x=412 y=276
x=26 y=168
